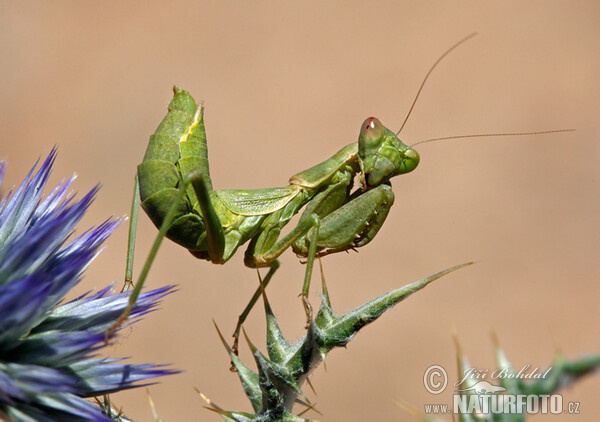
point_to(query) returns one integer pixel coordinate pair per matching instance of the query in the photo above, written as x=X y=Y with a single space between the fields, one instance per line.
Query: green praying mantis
x=213 y=224
x=176 y=192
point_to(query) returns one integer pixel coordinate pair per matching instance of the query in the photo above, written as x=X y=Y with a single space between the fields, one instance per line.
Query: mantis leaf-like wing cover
x=257 y=201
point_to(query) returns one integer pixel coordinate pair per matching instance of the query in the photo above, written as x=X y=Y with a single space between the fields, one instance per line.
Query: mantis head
x=382 y=155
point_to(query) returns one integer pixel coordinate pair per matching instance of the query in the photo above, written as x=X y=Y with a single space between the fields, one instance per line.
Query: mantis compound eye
x=371 y=132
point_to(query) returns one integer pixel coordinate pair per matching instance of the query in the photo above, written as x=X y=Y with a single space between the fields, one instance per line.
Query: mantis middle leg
x=332 y=222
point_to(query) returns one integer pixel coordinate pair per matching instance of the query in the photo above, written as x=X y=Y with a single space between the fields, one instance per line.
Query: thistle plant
x=505 y=400
x=277 y=384
x=559 y=375
x=48 y=347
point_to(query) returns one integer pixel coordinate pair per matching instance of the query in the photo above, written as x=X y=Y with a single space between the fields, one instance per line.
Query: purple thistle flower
x=47 y=349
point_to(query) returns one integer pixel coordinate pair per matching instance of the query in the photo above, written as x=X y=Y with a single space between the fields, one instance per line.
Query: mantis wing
x=257 y=201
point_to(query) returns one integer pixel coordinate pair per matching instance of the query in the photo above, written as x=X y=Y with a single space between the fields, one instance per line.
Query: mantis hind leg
x=215 y=236
x=146 y=269
x=135 y=205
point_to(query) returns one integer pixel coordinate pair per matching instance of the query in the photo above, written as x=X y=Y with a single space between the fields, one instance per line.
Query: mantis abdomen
x=177 y=146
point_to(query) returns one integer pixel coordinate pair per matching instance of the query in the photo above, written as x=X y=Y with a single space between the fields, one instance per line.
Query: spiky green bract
x=108 y=409
x=48 y=348
x=558 y=376
x=276 y=386
x=562 y=373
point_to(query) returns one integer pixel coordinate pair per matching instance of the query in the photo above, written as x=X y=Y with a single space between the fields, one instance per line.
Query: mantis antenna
x=481 y=135
x=468 y=37
x=489 y=135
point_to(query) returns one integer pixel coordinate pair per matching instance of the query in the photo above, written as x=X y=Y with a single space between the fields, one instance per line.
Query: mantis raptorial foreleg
x=352 y=225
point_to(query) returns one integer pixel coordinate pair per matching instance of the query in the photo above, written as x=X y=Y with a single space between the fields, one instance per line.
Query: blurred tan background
x=285 y=86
